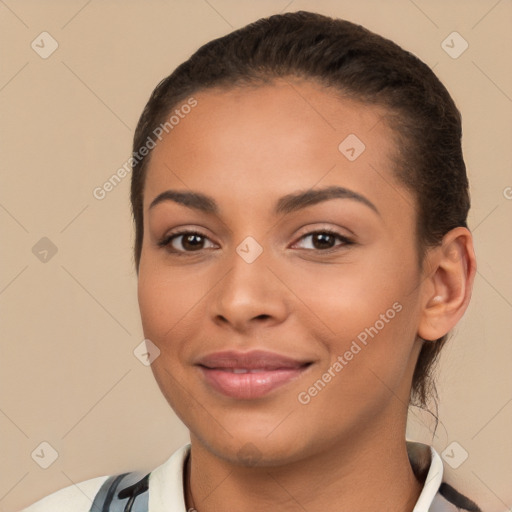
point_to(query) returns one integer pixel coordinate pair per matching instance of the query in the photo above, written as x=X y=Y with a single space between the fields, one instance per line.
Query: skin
x=246 y=148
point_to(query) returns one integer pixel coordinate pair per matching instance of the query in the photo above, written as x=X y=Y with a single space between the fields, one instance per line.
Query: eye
x=324 y=240
x=185 y=241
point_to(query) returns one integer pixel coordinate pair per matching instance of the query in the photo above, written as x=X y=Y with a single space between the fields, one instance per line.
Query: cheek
x=346 y=299
x=155 y=303
x=364 y=314
x=172 y=308
x=166 y=308
x=167 y=298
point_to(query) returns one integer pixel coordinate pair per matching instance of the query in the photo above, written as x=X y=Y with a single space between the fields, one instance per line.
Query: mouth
x=251 y=375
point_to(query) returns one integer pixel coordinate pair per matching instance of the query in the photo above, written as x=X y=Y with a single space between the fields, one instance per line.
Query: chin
x=249 y=448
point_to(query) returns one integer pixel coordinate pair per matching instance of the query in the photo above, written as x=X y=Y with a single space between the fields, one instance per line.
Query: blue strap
x=126 y=492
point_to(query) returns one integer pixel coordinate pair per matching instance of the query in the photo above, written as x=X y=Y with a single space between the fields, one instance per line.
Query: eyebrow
x=286 y=204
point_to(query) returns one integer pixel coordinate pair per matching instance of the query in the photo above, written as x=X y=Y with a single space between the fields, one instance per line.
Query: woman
x=300 y=201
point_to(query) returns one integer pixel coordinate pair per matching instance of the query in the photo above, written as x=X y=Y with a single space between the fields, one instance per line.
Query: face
x=283 y=296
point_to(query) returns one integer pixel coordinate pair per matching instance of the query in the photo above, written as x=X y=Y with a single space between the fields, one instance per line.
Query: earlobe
x=447 y=288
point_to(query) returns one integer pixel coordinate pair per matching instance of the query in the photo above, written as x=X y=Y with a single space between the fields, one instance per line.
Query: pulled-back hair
x=354 y=63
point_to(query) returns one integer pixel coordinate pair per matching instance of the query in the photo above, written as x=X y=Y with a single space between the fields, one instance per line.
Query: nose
x=250 y=295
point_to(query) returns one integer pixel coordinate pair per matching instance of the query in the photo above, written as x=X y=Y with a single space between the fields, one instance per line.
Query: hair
x=354 y=63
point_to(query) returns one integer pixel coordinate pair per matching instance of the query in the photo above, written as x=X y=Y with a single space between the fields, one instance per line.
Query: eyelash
x=166 y=241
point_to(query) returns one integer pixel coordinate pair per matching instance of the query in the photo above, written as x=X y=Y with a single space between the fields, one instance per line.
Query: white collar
x=166 y=482
x=432 y=483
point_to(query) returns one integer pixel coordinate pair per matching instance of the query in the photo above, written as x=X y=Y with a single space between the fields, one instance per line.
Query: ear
x=450 y=271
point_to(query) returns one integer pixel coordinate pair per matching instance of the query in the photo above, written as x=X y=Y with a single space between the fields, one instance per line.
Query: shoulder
x=163 y=486
x=437 y=494
x=77 y=497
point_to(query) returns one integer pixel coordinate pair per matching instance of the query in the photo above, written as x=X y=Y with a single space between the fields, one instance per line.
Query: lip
x=266 y=371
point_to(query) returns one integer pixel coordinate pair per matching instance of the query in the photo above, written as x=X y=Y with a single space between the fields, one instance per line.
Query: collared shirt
x=166 y=494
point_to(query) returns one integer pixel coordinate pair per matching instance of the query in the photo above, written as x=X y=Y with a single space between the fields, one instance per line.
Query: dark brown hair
x=354 y=63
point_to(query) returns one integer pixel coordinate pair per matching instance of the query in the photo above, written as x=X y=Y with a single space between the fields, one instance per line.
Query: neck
x=373 y=473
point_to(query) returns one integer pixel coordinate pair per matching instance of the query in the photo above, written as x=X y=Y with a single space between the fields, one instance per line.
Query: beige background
x=69 y=325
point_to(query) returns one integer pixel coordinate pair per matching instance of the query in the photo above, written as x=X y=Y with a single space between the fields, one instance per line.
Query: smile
x=247 y=376
x=245 y=384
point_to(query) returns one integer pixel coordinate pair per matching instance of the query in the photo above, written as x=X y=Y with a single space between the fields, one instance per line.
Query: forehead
x=271 y=139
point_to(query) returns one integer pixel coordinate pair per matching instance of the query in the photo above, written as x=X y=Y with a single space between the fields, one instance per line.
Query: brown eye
x=324 y=240
x=191 y=242
x=186 y=241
